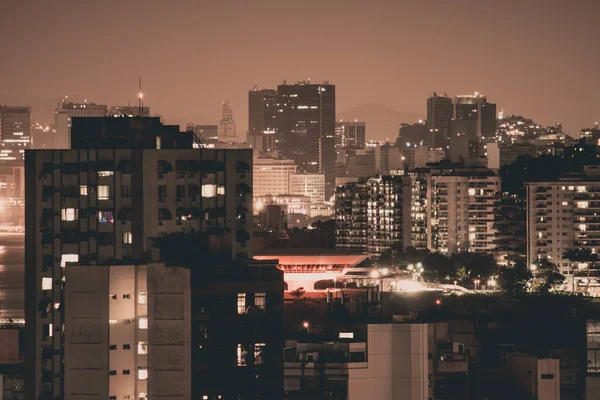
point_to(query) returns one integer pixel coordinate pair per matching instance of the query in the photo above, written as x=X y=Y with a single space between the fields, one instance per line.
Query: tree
x=438 y=268
x=547 y=276
x=515 y=280
x=413 y=134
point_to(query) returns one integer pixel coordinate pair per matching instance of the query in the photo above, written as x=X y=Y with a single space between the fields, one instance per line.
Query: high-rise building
x=262 y=123
x=63 y=118
x=387 y=158
x=350 y=134
x=439 y=113
x=208 y=133
x=124 y=182
x=306 y=128
x=15 y=134
x=351 y=217
x=129 y=111
x=561 y=215
x=227 y=129
x=476 y=108
x=385 y=201
x=272 y=176
x=461 y=205
x=309 y=185
x=127 y=332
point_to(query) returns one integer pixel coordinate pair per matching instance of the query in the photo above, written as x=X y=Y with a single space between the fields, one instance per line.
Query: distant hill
x=382 y=121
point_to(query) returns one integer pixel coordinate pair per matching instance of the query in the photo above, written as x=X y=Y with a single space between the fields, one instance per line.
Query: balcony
x=452 y=364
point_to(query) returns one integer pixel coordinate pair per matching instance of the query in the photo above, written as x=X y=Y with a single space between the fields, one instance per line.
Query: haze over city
x=532 y=58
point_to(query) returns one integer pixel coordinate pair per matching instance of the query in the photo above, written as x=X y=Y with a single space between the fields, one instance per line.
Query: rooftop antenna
x=140 y=98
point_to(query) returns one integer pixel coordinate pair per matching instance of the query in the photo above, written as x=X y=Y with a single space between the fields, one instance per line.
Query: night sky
x=535 y=58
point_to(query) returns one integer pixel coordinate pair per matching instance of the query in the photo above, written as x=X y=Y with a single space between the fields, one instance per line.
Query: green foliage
x=412 y=134
x=547 y=277
x=516 y=280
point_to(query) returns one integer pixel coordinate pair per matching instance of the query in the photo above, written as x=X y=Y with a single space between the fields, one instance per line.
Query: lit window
x=221 y=189
x=113 y=321
x=143 y=298
x=241 y=356
x=582 y=204
x=241 y=303
x=56 y=306
x=143 y=396
x=69 y=214
x=209 y=190
x=260 y=300
x=581 y=189
x=105 y=217
x=50 y=330
x=143 y=324
x=346 y=335
x=142 y=373
x=565 y=203
x=127 y=237
x=83 y=190
x=258 y=353
x=571 y=187
x=103 y=192
x=65 y=258
x=471 y=192
x=46 y=283
x=582 y=227
x=158 y=143
x=105 y=173
x=142 y=348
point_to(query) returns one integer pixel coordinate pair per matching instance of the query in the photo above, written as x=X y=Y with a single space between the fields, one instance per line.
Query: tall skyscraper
x=475 y=107
x=350 y=134
x=227 y=129
x=306 y=128
x=15 y=134
x=262 y=112
x=63 y=118
x=124 y=182
x=439 y=114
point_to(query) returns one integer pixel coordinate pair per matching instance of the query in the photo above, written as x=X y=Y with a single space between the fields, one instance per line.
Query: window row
x=142 y=374
x=260 y=301
x=142 y=348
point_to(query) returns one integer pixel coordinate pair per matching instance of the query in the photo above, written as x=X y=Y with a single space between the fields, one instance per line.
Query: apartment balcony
x=452 y=364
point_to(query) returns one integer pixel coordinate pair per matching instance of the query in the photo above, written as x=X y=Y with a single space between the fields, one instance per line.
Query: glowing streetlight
x=305 y=324
x=374 y=274
x=476 y=283
x=385 y=271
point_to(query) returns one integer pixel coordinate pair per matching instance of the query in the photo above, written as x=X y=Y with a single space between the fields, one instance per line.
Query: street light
x=305 y=324
x=476 y=283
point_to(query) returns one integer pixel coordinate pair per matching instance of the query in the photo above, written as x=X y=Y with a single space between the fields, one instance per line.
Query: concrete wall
x=397 y=364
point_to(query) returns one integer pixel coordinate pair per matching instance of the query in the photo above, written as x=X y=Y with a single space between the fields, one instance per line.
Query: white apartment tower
x=127 y=332
x=227 y=129
x=272 y=176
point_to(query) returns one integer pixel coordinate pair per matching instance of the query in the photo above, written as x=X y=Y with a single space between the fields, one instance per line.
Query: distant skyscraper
x=475 y=107
x=306 y=128
x=129 y=111
x=63 y=119
x=439 y=114
x=350 y=134
x=227 y=129
x=15 y=133
x=262 y=110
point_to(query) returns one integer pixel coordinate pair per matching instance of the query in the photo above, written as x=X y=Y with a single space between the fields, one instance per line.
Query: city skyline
x=381 y=75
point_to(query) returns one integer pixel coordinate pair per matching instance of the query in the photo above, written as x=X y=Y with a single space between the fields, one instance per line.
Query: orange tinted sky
x=535 y=58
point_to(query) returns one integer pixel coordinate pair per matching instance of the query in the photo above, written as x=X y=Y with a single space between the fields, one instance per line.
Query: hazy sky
x=538 y=58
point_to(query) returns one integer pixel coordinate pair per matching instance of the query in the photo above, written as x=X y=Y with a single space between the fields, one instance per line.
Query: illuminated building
x=414 y=156
x=129 y=111
x=209 y=133
x=350 y=134
x=500 y=154
x=591 y=135
x=227 y=129
x=63 y=118
x=272 y=176
x=262 y=127
x=387 y=158
x=306 y=128
x=461 y=205
x=351 y=217
x=476 y=108
x=309 y=185
x=386 y=202
x=127 y=332
x=561 y=215
x=124 y=181
x=418 y=210
x=43 y=137
x=291 y=204
x=12 y=182
x=439 y=113
x=15 y=134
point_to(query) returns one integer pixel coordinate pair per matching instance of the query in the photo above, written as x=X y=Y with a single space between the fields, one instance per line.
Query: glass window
x=258 y=353
x=105 y=217
x=221 y=189
x=103 y=192
x=241 y=303
x=83 y=190
x=143 y=323
x=162 y=191
x=142 y=347
x=142 y=373
x=260 y=300
x=69 y=214
x=46 y=283
x=209 y=190
x=105 y=173
x=143 y=298
x=241 y=355
x=65 y=258
x=127 y=237
x=143 y=396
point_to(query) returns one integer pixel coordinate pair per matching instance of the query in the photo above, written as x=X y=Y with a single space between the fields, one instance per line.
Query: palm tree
x=583 y=255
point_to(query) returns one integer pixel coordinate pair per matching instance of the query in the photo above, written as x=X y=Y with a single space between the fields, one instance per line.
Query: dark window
x=127 y=296
x=180 y=191
x=192 y=190
x=112 y=372
x=126 y=347
x=126 y=372
x=126 y=191
x=547 y=376
x=162 y=191
x=112 y=347
x=70 y=191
